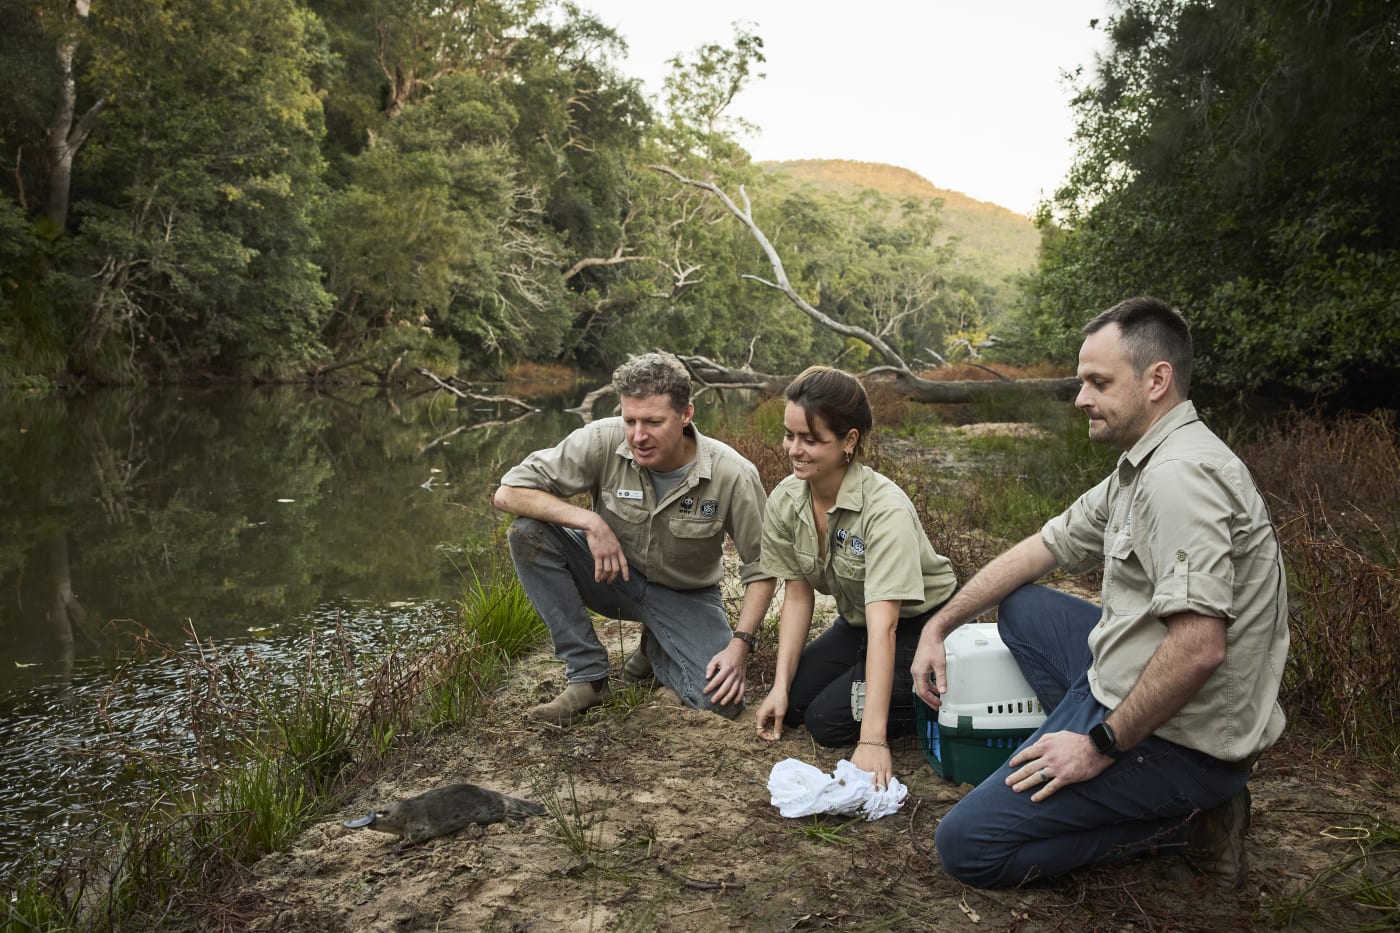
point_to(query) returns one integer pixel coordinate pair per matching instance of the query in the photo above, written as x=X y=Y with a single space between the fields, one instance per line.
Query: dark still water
x=256 y=518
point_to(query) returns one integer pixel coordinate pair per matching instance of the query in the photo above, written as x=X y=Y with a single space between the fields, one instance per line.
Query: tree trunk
x=709 y=373
x=65 y=137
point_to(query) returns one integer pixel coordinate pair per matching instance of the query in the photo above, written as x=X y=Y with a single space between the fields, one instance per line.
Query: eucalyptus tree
x=1238 y=157
x=42 y=127
x=190 y=133
x=672 y=280
x=491 y=177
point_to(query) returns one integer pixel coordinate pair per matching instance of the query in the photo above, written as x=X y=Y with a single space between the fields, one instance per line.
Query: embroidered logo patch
x=857 y=545
x=687 y=504
x=841 y=536
x=709 y=508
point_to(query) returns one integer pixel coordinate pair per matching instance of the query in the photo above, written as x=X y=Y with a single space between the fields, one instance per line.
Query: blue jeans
x=995 y=837
x=687 y=627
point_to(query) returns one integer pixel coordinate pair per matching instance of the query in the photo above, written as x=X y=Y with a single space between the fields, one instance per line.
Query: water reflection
x=249 y=515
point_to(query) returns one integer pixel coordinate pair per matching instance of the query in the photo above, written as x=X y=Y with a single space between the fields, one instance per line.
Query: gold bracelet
x=876 y=744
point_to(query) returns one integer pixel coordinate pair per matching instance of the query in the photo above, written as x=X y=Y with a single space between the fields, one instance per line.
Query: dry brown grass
x=959 y=372
x=541 y=378
x=1333 y=483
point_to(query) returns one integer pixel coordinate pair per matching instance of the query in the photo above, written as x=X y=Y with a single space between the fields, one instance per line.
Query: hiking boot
x=574 y=700
x=1215 y=843
x=637 y=667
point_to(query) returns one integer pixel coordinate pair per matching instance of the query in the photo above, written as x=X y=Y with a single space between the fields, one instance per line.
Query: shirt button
x=1180 y=555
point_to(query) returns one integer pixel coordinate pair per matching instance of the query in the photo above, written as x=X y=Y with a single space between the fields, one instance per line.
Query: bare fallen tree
x=447 y=386
x=708 y=372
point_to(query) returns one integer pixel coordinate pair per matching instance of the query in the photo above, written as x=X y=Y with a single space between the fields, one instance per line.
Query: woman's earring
x=848 y=458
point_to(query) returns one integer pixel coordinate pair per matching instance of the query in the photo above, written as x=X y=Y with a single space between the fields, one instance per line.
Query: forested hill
x=273 y=189
x=994 y=244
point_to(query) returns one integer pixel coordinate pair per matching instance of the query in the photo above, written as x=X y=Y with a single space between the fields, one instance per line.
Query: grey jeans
x=687 y=627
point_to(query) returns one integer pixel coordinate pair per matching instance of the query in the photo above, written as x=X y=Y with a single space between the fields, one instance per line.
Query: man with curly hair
x=649 y=549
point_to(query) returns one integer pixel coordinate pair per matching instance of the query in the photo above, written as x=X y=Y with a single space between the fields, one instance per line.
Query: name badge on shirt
x=628 y=494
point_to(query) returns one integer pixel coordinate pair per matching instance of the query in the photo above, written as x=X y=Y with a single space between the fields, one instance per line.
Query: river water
x=254 y=518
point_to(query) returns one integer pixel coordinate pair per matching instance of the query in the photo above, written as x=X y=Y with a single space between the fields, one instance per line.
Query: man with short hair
x=1159 y=703
x=663 y=498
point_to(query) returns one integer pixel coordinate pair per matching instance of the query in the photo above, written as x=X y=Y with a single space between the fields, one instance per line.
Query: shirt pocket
x=629 y=523
x=696 y=543
x=1126 y=586
x=849 y=571
x=806 y=562
x=624 y=511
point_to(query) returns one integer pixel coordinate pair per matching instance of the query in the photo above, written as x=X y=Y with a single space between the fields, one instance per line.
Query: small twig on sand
x=726 y=885
x=913 y=833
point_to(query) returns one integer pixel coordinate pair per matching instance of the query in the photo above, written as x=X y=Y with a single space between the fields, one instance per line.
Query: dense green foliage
x=277 y=189
x=1238 y=157
x=269 y=189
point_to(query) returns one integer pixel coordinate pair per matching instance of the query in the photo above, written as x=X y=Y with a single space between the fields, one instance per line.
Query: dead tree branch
x=914 y=386
x=474 y=396
x=782 y=284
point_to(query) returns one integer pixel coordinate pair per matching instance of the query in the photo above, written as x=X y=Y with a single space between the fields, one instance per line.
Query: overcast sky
x=967 y=93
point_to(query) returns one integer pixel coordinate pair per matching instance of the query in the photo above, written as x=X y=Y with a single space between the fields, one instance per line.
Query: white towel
x=800 y=789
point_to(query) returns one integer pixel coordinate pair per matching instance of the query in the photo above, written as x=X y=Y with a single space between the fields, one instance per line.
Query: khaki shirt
x=1180 y=527
x=875 y=547
x=678 y=541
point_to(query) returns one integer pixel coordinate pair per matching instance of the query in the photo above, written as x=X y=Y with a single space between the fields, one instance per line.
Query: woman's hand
x=770 y=715
x=875 y=759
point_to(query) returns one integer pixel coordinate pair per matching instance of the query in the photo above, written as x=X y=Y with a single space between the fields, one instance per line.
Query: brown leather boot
x=637 y=667
x=1215 y=847
x=574 y=700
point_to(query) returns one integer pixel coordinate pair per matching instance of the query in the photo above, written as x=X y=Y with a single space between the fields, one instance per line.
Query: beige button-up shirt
x=875 y=547
x=1180 y=526
x=678 y=541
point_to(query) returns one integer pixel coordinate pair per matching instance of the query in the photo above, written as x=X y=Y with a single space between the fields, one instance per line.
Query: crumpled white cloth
x=800 y=789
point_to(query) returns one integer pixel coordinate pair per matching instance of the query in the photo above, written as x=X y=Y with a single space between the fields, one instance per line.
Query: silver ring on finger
x=1043 y=776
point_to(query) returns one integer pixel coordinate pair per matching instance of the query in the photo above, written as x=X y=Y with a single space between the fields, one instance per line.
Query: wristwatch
x=747 y=638
x=1105 y=742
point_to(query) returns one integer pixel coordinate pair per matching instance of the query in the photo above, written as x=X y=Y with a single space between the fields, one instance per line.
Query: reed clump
x=272 y=752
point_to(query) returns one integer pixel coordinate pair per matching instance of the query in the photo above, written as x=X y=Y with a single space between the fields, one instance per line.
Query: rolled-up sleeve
x=1075 y=536
x=779 y=558
x=566 y=469
x=746 y=524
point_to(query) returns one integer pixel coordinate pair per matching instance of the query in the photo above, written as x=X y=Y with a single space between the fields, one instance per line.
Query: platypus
x=444 y=810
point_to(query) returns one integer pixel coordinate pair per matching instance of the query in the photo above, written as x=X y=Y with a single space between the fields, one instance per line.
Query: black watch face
x=1103 y=738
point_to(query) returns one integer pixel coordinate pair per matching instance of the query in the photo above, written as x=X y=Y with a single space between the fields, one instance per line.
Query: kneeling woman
x=836 y=526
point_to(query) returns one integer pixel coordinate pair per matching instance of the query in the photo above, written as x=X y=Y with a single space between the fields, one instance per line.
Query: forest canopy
x=274 y=189
x=1239 y=158
x=266 y=189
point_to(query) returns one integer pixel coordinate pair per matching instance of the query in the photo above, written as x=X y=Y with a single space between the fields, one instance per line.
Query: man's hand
x=608 y=559
x=1055 y=761
x=930 y=667
x=726 y=672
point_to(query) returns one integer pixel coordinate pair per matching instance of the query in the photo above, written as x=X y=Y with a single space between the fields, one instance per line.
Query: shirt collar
x=1181 y=415
x=704 y=456
x=851 y=495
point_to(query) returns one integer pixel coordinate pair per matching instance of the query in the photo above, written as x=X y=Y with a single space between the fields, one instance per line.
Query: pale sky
x=966 y=93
